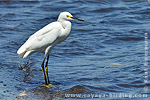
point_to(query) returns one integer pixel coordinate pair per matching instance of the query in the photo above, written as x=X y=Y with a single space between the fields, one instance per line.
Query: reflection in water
x=43 y=93
x=27 y=69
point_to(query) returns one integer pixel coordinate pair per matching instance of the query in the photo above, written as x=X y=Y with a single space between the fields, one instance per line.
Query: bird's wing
x=44 y=37
x=44 y=30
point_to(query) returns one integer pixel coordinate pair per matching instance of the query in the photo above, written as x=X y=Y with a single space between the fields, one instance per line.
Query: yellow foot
x=49 y=85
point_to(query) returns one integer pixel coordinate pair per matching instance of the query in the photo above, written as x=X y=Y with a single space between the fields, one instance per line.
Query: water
x=104 y=55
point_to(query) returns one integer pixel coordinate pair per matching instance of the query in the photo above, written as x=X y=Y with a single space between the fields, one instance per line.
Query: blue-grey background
x=104 y=54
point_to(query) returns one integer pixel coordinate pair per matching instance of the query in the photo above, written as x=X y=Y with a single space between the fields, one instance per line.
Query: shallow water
x=103 y=55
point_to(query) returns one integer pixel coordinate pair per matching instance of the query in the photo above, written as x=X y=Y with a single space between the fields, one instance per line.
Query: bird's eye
x=68 y=16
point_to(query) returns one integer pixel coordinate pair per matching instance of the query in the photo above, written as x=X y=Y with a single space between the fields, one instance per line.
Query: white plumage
x=46 y=38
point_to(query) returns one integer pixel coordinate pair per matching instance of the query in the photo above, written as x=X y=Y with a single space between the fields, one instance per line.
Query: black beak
x=77 y=18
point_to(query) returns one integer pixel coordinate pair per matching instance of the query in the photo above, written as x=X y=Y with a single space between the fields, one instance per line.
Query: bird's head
x=67 y=16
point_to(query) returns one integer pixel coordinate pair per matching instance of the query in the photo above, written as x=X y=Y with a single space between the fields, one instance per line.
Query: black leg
x=46 y=69
x=43 y=70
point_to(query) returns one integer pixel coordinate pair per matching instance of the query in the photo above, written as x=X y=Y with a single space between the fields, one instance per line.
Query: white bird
x=46 y=38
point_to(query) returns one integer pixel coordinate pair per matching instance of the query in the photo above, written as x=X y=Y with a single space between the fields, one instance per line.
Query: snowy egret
x=46 y=38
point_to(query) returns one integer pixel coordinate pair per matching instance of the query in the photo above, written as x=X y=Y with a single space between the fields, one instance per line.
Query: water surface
x=103 y=55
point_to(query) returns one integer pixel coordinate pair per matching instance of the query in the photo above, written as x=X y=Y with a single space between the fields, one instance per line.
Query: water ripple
x=103 y=54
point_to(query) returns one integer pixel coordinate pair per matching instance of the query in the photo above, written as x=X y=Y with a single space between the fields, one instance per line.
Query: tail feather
x=22 y=51
x=22 y=54
x=27 y=53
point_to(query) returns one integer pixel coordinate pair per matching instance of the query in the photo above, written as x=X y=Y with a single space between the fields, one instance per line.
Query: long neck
x=66 y=26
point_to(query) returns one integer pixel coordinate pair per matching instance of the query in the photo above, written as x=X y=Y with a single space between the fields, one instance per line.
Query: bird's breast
x=65 y=31
x=63 y=37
